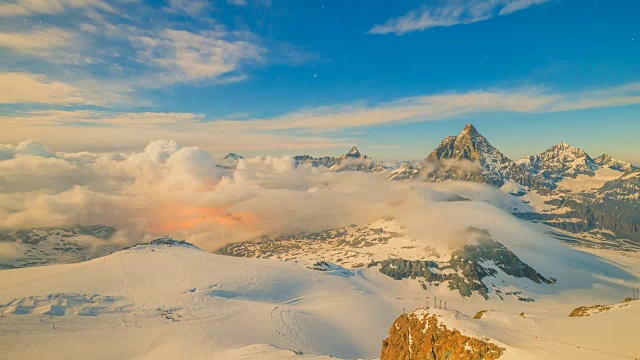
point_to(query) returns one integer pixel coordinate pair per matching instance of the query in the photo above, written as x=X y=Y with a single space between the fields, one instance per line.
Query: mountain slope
x=168 y=299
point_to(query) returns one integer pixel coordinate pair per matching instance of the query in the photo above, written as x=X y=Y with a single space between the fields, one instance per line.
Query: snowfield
x=177 y=301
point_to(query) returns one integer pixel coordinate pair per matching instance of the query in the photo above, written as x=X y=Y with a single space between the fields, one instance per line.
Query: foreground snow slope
x=167 y=302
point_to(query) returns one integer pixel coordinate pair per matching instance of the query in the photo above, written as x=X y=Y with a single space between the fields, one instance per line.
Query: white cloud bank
x=453 y=13
x=179 y=191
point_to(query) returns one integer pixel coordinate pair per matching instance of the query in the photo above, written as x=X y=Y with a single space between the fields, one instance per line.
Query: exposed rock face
x=466 y=268
x=560 y=161
x=495 y=168
x=420 y=335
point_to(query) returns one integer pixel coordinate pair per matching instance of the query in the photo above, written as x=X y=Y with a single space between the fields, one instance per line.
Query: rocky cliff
x=420 y=335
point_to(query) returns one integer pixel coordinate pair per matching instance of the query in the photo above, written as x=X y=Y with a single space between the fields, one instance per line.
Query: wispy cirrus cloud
x=187 y=56
x=459 y=12
x=189 y=7
x=36 y=42
x=34 y=7
x=119 y=48
x=319 y=127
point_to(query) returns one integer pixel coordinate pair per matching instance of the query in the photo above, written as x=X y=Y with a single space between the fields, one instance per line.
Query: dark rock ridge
x=164 y=241
x=469 y=265
x=420 y=335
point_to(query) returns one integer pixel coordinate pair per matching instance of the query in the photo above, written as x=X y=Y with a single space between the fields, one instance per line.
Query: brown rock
x=420 y=335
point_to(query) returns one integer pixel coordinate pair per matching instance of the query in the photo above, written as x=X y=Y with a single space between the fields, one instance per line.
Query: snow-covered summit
x=560 y=161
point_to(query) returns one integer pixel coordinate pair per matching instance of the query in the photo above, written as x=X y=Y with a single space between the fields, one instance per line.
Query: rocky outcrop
x=466 y=268
x=596 y=309
x=420 y=335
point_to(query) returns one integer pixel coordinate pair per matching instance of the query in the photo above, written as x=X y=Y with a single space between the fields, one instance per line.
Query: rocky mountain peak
x=495 y=168
x=469 y=129
x=354 y=152
x=559 y=161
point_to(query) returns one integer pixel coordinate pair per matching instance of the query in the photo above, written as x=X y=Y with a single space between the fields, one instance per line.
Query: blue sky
x=290 y=77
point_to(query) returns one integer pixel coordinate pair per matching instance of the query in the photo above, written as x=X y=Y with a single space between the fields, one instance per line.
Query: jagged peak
x=354 y=153
x=469 y=129
x=563 y=147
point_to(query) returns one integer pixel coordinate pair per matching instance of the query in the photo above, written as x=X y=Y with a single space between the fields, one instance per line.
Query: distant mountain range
x=596 y=198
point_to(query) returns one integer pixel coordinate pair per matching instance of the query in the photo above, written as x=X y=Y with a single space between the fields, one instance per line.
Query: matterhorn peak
x=469 y=129
x=354 y=152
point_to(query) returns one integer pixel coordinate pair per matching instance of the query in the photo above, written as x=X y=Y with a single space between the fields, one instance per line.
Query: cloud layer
x=179 y=191
x=450 y=14
x=305 y=129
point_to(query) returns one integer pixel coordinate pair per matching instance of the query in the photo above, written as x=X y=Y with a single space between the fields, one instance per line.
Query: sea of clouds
x=168 y=189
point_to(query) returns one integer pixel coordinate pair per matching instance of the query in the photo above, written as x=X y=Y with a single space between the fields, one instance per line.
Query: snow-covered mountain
x=494 y=168
x=53 y=245
x=387 y=244
x=560 y=161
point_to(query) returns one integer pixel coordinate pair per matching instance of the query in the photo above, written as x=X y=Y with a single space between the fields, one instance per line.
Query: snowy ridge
x=560 y=161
